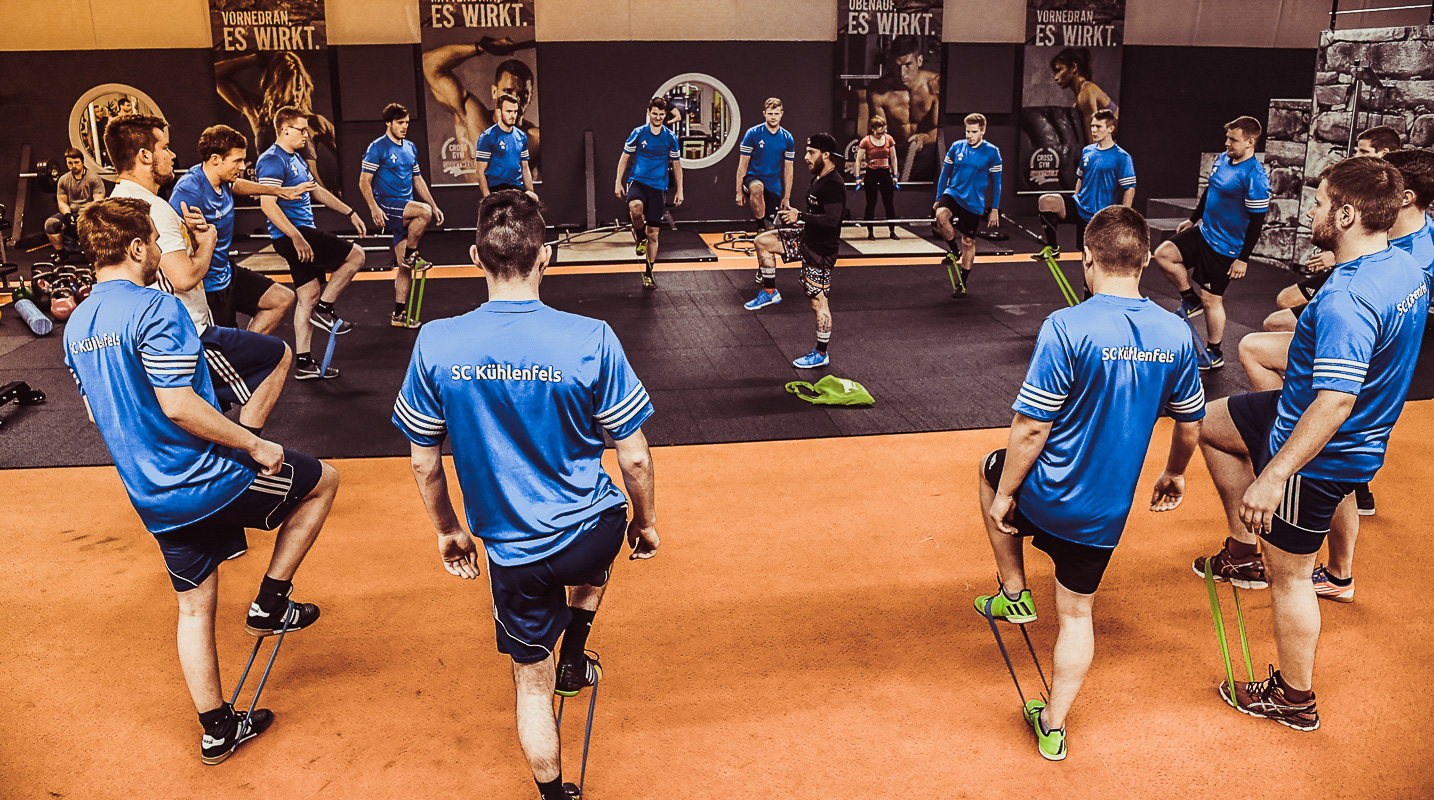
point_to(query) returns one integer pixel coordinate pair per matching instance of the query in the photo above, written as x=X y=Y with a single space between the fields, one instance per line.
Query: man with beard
x=503 y=155
x=909 y=99
x=815 y=245
x=246 y=368
x=196 y=479
x=470 y=116
x=1216 y=242
x=388 y=180
x=76 y=189
x=1283 y=460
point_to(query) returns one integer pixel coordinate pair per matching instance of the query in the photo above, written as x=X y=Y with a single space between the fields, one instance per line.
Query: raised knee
x=1050 y=203
x=328 y=479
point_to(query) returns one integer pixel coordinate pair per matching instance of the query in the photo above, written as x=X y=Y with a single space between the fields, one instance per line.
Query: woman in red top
x=873 y=168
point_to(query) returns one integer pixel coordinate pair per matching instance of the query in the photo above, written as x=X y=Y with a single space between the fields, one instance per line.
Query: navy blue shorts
x=239 y=361
x=499 y=187
x=965 y=221
x=194 y=551
x=773 y=200
x=393 y=216
x=653 y=202
x=1079 y=567
x=530 y=601
x=1303 y=517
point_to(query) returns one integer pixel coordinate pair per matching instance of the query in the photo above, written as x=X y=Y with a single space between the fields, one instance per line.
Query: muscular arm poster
x=473 y=53
x=889 y=65
x=269 y=54
x=1072 y=70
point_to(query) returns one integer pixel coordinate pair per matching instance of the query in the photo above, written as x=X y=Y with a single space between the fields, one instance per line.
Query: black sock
x=400 y=308
x=303 y=358
x=575 y=637
x=769 y=283
x=1049 y=220
x=1338 y=581
x=1214 y=347
x=1189 y=294
x=552 y=790
x=824 y=340
x=210 y=718
x=965 y=277
x=273 y=594
x=953 y=247
x=324 y=307
x=259 y=431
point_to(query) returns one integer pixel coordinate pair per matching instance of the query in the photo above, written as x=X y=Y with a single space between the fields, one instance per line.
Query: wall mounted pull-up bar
x=1335 y=13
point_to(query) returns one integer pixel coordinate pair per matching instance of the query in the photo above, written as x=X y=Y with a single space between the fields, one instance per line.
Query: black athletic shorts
x=816 y=268
x=654 y=203
x=773 y=200
x=966 y=222
x=246 y=287
x=1210 y=270
x=1299 y=309
x=1303 y=517
x=194 y=551
x=1311 y=284
x=330 y=252
x=1079 y=567
x=1073 y=216
x=239 y=361
x=500 y=187
x=530 y=601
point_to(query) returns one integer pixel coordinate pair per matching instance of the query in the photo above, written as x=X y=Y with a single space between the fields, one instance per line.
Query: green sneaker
x=1018 y=611
x=1052 y=745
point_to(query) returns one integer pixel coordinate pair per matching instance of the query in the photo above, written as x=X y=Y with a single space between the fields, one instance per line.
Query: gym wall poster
x=473 y=53
x=1072 y=70
x=889 y=65
x=269 y=54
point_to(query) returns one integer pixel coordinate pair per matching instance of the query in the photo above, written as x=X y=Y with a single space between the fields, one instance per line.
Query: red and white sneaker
x=1246 y=573
x=1327 y=589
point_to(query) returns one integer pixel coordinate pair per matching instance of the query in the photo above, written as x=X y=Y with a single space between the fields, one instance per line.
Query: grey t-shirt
x=80 y=192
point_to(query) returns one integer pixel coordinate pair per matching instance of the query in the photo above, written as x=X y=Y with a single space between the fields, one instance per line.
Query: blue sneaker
x=762 y=300
x=1189 y=309
x=812 y=360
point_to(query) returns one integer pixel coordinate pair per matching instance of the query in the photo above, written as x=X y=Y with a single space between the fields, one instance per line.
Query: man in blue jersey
x=1104 y=177
x=210 y=188
x=969 y=188
x=388 y=180
x=196 y=479
x=1284 y=460
x=312 y=254
x=247 y=369
x=1216 y=242
x=765 y=167
x=649 y=148
x=1103 y=371
x=1265 y=356
x=502 y=152
x=524 y=394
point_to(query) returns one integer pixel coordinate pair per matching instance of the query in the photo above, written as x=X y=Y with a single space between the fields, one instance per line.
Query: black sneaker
x=572 y=791
x=298 y=615
x=1364 y=499
x=573 y=678
x=309 y=370
x=326 y=321
x=221 y=739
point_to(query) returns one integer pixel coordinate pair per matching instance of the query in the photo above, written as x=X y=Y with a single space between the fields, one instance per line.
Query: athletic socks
x=769 y=284
x=965 y=277
x=1293 y=695
x=209 y=719
x=823 y=339
x=1239 y=550
x=953 y=246
x=324 y=307
x=273 y=594
x=1340 y=582
x=1009 y=596
x=1214 y=348
x=1189 y=294
x=552 y=790
x=1049 y=220
x=300 y=359
x=400 y=308
x=575 y=637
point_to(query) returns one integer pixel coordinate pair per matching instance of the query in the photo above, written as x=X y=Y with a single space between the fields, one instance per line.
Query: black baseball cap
x=826 y=143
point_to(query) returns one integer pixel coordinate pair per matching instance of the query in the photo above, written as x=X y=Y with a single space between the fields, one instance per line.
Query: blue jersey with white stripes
x=121 y=344
x=651 y=153
x=194 y=190
x=1359 y=335
x=393 y=166
x=1104 y=177
x=968 y=172
x=279 y=167
x=523 y=392
x=1236 y=191
x=504 y=153
x=1102 y=373
x=769 y=153
x=1420 y=244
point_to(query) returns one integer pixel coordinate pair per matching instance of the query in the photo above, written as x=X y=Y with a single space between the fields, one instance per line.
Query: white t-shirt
x=172 y=236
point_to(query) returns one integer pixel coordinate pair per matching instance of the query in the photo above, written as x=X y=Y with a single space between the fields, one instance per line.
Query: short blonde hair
x=976 y=119
x=772 y=102
x=877 y=122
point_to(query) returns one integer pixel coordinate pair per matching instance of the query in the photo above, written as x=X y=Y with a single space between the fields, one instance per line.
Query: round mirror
x=703 y=113
x=94 y=110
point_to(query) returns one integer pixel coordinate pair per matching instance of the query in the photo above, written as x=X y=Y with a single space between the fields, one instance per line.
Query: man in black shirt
x=815 y=244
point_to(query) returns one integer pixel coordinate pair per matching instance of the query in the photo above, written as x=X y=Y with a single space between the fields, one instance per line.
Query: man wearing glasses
x=312 y=254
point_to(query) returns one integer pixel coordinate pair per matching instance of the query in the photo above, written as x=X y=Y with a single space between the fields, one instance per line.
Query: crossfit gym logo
x=456 y=160
x=1045 y=166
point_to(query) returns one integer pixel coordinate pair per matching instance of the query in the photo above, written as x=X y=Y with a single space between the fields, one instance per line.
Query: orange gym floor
x=806 y=631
